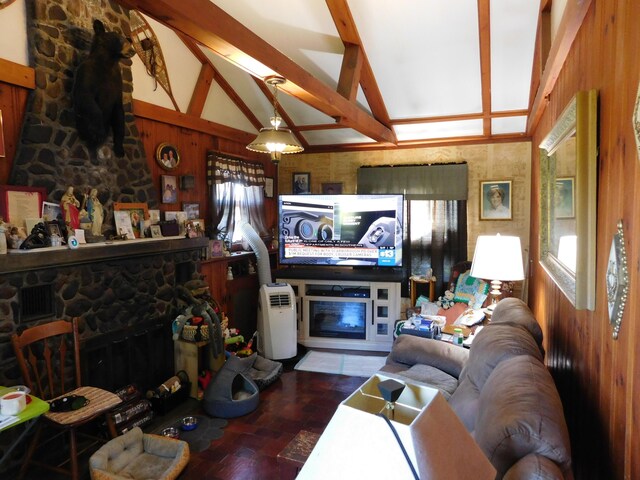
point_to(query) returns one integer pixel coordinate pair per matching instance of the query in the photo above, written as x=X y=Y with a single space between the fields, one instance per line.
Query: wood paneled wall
x=13 y=100
x=596 y=375
x=193 y=146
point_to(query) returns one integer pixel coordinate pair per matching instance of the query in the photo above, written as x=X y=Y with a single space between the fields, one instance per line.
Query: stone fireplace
x=118 y=291
x=50 y=153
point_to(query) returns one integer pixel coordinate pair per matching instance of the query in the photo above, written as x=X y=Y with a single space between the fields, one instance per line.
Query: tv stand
x=345 y=313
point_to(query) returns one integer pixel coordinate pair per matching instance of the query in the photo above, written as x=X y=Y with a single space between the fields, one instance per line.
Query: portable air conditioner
x=277 y=337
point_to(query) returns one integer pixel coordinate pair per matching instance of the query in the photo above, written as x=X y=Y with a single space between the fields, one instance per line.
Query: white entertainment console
x=346 y=313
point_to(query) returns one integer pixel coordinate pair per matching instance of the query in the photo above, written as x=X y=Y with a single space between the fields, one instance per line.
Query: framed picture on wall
x=564 y=197
x=495 y=200
x=268 y=187
x=192 y=209
x=301 y=183
x=17 y=203
x=169 y=184
x=167 y=156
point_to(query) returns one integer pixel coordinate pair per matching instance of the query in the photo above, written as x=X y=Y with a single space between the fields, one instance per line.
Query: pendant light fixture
x=275 y=140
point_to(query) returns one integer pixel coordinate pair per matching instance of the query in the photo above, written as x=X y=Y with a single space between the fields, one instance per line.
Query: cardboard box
x=357 y=443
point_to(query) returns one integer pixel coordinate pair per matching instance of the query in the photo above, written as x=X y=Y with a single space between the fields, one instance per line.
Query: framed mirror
x=568 y=189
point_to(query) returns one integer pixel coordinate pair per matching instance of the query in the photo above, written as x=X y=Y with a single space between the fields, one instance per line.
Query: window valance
x=225 y=169
x=417 y=182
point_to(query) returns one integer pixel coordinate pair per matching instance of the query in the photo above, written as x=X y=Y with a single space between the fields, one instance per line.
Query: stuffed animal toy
x=97 y=90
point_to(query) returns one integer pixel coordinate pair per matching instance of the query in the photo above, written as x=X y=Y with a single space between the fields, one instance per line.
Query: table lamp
x=497 y=258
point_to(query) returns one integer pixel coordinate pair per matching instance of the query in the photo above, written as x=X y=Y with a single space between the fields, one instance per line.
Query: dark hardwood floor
x=250 y=445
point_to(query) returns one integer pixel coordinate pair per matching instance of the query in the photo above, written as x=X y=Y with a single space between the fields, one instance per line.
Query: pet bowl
x=171 y=432
x=189 y=423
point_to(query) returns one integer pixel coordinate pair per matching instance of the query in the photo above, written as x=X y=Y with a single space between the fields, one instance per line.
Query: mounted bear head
x=97 y=89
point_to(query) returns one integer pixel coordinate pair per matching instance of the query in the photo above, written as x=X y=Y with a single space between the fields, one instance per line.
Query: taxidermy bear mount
x=97 y=89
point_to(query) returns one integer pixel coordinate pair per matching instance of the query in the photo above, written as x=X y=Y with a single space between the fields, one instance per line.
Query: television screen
x=341 y=230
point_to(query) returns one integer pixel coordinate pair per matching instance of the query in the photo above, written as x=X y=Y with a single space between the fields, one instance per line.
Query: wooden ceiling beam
x=16 y=74
x=219 y=79
x=211 y=26
x=350 y=72
x=572 y=19
x=346 y=26
x=484 y=29
x=442 y=142
x=201 y=90
x=153 y=112
x=462 y=116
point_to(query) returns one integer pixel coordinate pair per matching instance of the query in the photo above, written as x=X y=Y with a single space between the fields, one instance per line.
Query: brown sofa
x=500 y=389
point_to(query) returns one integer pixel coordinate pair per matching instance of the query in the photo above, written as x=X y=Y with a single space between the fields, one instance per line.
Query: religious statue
x=95 y=211
x=69 y=205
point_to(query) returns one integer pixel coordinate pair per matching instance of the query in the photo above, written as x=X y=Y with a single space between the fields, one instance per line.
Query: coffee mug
x=13 y=403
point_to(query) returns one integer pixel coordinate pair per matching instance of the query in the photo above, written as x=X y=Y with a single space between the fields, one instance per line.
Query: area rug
x=340 y=363
x=208 y=429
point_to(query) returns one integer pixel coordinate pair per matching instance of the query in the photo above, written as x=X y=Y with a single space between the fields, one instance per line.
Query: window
x=236 y=196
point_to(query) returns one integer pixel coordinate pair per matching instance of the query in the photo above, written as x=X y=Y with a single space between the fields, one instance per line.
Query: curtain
x=437 y=237
x=435 y=229
x=236 y=193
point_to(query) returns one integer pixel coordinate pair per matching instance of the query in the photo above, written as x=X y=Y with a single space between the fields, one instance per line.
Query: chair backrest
x=49 y=366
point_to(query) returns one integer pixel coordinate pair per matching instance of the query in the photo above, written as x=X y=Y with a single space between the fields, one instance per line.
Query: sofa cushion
x=425 y=374
x=514 y=311
x=410 y=350
x=520 y=413
x=493 y=345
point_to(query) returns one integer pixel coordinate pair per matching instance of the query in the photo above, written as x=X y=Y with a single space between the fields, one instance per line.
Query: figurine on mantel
x=69 y=205
x=96 y=212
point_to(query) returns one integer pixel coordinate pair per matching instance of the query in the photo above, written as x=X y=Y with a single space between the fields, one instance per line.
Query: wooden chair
x=51 y=370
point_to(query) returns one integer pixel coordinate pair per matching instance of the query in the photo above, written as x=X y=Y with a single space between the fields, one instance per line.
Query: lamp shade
x=497 y=257
x=271 y=140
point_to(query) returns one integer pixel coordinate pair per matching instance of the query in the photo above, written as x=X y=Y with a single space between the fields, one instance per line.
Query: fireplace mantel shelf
x=53 y=257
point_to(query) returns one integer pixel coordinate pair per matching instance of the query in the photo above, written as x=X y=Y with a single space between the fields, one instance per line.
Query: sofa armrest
x=535 y=466
x=411 y=350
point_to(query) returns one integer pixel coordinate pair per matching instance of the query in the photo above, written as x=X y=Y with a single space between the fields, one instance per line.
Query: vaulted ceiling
x=373 y=73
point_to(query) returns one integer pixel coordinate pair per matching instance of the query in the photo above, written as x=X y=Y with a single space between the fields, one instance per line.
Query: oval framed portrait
x=167 y=156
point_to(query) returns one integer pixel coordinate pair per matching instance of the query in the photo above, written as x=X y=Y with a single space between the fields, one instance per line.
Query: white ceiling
x=425 y=56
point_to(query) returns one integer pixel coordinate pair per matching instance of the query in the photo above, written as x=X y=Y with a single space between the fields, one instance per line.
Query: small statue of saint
x=95 y=211
x=69 y=205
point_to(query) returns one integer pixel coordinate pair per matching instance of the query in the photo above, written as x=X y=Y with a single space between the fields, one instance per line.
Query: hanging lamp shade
x=275 y=140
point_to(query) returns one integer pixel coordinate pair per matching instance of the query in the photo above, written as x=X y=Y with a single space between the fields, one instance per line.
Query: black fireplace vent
x=36 y=302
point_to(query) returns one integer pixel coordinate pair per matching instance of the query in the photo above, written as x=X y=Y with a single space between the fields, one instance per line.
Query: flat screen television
x=350 y=230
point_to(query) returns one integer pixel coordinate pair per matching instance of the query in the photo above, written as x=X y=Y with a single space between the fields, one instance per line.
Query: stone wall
x=50 y=154
x=109 y=296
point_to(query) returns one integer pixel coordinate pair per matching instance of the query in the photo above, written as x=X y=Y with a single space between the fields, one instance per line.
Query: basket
x=196 y=333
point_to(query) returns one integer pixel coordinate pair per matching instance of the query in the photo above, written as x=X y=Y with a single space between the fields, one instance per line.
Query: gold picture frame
x=167 y=156
x=138 y=212
x=568 y=245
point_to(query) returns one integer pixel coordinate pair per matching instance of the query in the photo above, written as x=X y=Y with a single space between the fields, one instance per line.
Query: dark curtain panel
x=435 y=230
x=437 y=237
